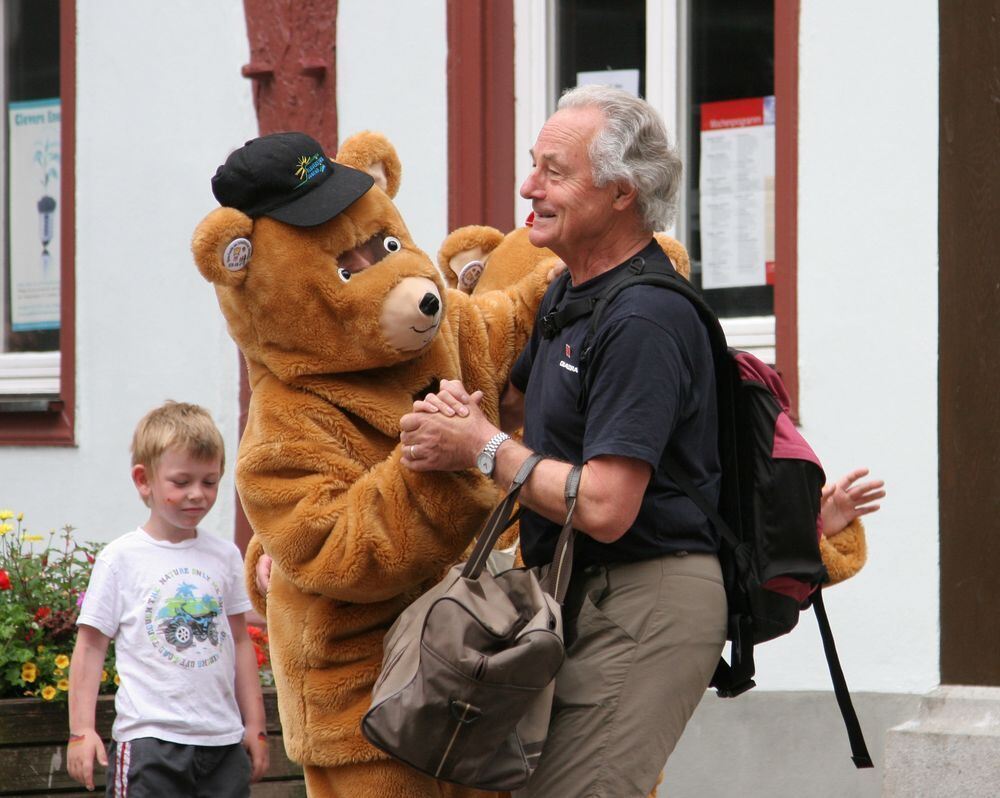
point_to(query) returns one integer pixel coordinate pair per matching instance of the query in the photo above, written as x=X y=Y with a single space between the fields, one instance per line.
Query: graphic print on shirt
x=183 y=618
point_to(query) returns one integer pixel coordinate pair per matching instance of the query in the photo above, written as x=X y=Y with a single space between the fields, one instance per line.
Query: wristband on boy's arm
x=76 y=738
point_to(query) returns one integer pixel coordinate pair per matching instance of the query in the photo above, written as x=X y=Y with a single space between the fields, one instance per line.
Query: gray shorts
x=151 y=768
x=643 y=640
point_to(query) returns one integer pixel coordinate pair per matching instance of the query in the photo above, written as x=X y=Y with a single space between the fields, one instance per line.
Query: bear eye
x=391 y=244
x=344 y=274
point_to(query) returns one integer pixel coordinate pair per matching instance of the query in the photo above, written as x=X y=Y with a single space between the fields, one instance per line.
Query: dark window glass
x=730 y=57
x=594 y=34
x=30 y=72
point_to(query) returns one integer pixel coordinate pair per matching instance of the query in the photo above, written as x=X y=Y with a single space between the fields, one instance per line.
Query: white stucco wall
x=867 y=322
x=392 y=77
x=160 y=102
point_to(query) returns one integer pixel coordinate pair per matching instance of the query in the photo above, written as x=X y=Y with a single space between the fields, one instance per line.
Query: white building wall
x=867 y=324
x=152 y=127
x=392 y=77
x=160 y=103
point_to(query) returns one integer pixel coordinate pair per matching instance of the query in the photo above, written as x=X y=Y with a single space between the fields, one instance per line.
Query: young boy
x=172 y=599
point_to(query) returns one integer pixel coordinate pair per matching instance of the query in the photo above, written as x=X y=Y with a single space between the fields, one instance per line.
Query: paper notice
x=736 y=194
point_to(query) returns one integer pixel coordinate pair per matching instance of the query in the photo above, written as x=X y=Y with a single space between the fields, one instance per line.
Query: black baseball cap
x=287 y=177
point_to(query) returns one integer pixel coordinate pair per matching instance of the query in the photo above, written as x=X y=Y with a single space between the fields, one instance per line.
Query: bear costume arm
x=336 y=528
x=845 y=553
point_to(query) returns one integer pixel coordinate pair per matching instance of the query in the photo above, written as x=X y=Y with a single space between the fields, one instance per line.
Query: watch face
x=485 y=463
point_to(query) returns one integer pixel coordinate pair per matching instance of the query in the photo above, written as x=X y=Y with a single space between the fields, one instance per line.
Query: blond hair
x=177 y=425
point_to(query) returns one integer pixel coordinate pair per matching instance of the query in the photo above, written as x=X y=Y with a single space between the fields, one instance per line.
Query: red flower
x=90 y=558
x=261 y=659
x=4 y=580
x=43 y=612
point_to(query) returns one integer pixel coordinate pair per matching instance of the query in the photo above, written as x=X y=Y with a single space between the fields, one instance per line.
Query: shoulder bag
x=466 y=687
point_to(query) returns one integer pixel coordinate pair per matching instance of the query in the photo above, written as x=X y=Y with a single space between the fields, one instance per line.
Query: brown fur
x=354 y=535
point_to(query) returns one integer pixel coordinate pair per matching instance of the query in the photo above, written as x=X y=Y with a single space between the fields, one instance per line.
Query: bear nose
x=429 y=305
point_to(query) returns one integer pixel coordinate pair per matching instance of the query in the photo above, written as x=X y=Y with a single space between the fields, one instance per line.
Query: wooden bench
x=33 y=751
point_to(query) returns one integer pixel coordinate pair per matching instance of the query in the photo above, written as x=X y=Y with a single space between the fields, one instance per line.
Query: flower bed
x=42 y=582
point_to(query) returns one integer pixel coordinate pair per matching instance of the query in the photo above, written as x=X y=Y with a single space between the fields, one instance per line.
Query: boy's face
x=179 y=492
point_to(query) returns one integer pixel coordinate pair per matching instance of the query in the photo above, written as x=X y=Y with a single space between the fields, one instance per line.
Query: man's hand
x=843 y=501
x=82 y=749
x=255 y=742
x=446 y=430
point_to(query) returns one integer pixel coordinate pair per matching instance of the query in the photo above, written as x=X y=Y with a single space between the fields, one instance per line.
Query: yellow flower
x=30 y=538
x=48 y=692
x=20 y=516
x=59 y=672
x=5 y=528
x=62 y=661
x=104 y=676
x=41 y=649
x=63 y=684
x=29 y=671
x=117 y=680
x=5 y=514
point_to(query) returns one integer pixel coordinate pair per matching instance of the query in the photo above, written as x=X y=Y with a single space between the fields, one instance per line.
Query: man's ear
x=373 y=153
x=625 y=194
x=222 y=248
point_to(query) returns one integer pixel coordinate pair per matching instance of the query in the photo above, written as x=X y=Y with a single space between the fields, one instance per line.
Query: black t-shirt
x=652 y=385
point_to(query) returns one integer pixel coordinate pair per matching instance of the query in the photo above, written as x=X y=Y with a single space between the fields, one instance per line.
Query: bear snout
x=411 y=314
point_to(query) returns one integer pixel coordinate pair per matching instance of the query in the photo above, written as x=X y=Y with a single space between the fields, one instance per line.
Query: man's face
x=570 y=211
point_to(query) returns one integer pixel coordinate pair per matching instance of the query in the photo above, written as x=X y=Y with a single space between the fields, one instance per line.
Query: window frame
x=773 y=338
x=41 y=419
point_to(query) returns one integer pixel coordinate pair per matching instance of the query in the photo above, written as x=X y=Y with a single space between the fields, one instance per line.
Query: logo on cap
x=309 y=166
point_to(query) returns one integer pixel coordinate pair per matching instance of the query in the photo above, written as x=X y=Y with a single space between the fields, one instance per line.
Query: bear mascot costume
x=343 y=323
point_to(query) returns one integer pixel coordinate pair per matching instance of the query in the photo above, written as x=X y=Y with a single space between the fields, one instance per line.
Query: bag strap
x=859 y=751
x=498 y=520
x=556 y=581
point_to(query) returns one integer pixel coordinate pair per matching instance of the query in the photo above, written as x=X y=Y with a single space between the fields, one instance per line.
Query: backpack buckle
x=550 y=328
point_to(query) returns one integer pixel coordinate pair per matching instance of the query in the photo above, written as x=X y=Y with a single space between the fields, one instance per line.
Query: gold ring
x=412 y=455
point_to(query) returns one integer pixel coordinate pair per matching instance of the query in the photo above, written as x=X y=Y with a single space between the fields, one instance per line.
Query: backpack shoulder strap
x=559 y=317
x=640 y=272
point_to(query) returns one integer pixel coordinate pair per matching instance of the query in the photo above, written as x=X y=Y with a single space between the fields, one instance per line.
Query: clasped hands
x=446 y=430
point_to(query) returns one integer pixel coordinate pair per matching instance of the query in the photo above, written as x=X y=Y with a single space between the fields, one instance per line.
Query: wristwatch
x=486 y=461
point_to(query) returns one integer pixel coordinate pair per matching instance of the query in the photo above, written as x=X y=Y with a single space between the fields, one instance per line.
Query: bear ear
x=373 y=153
x=464 y=246
x=674 y=250
x=222 y=248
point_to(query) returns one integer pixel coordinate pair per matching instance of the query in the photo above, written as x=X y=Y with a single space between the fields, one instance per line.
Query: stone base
x=950 y=750
x=773 y=744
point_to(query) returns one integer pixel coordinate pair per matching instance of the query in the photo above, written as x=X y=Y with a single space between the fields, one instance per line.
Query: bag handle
x=498 y=520
x=556 y=581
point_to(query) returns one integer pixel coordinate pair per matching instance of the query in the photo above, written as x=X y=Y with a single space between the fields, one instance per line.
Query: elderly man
x=645 y=614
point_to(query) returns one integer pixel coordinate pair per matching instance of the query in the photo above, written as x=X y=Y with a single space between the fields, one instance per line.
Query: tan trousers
x=643 y=640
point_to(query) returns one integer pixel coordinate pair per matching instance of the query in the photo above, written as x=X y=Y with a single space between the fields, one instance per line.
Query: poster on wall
x=33 y=171
x=736 y=193
x=624 y=79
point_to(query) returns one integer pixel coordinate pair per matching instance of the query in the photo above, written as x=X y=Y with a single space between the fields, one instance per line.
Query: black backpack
x=769 y=503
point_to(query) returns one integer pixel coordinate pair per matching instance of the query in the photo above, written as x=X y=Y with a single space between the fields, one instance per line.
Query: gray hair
x=632 y=146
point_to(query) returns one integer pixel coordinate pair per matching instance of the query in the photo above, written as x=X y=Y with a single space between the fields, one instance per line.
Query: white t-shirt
x=166 y=607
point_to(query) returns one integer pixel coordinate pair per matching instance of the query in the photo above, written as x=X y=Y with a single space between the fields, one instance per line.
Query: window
x=36 y=180
x=695 y=62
